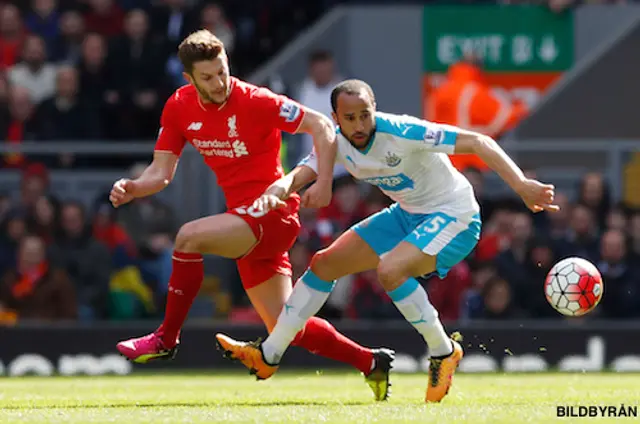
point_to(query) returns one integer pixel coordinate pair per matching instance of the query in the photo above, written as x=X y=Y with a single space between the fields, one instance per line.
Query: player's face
x=355 y=115
x=211 y=79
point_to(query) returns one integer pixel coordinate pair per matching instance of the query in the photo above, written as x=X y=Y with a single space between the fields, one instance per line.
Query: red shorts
x=276 y=232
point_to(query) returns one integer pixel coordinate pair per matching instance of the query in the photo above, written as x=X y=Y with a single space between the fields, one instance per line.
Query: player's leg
x=348 y=254
x=355 y=251
x=317 y=336
x=224 y=235
x=436 y=245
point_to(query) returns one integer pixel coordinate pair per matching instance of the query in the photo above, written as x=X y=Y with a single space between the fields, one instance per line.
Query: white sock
x=411 y=299
x=307 y=297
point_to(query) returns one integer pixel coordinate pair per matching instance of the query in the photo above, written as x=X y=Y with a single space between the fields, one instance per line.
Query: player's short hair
x=352 y=86
x=199 y=46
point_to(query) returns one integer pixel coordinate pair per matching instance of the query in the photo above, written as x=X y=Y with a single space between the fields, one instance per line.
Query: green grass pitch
x=306 y=398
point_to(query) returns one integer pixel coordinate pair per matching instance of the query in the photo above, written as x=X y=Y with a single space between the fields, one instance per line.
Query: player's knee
x=391 y=275
x=187 y=238
x=323 y=265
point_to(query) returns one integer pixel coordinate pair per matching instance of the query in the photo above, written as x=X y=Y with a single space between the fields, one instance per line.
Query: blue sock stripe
x=314 y=282
x=404 y=290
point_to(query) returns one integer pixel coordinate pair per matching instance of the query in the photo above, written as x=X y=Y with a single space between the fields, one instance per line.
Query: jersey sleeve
x=278 y=111
x=170 y=137
x=425 y=135
x=311 y=160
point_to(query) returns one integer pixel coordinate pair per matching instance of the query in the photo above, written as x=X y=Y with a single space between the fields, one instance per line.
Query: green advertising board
x=525 y=38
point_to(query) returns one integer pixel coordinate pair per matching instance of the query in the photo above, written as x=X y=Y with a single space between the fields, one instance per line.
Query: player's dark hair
x=353 y=87
x=199 y=46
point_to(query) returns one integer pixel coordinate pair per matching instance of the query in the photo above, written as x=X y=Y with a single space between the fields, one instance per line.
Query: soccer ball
x=573 y=287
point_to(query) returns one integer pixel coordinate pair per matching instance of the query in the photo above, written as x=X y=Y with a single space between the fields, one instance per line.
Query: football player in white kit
x=433 y=224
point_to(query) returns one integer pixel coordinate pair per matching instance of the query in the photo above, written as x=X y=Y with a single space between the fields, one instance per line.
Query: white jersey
x=408 y=160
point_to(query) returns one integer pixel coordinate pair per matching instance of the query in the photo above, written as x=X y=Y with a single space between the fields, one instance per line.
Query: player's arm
x=536 y=195
x=156 y=176
x=292 y=117
x=302 y=175
x=153 y=179
x=294 y=181
x=326 y=147
x=324 y=142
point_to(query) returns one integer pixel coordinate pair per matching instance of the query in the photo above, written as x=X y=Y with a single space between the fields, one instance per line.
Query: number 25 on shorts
x=431 y=226
x=434 y=224
x=251 y=211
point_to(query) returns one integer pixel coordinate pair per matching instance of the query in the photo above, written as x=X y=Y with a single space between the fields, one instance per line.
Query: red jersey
x=240 y=139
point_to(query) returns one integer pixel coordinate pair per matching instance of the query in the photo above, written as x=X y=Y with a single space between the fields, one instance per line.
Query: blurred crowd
x=64 y=260
x=79 y=70
x=101 y=69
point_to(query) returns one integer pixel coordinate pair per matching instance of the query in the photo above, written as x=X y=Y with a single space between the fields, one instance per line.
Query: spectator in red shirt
x=496 y=236
x=20 y=126
x=369 y=300
x=11 y=36
x=446 y=295
x=105 y=18
x=37 y=289
x=347 y=207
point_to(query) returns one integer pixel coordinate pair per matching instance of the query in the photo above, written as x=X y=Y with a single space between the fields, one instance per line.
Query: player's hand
x=121 y=192
x=538 y=196
x=267 y=202
x=317 y=196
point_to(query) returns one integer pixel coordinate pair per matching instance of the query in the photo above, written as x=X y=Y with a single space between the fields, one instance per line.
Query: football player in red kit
x=237 y=127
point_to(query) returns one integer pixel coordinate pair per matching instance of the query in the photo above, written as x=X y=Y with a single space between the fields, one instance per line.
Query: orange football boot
x=441 y=371
x=249 y=354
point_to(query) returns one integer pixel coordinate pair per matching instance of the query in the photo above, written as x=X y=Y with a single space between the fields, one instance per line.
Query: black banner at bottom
x=72 y=350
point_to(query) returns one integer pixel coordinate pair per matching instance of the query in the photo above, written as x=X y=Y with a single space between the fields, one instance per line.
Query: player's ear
x=335 y=118
x=188 y=78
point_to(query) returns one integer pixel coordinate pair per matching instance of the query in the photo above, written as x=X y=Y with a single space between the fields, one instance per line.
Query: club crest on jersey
x=392 y=159
x=233 y=130
x=289 y=111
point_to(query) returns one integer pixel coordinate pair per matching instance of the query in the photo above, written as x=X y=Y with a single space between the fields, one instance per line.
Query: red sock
x=321 y=338
x=184 y=285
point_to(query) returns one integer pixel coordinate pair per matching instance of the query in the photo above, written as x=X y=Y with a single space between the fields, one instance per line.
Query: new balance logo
x=239 y=148
x=195 y=126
